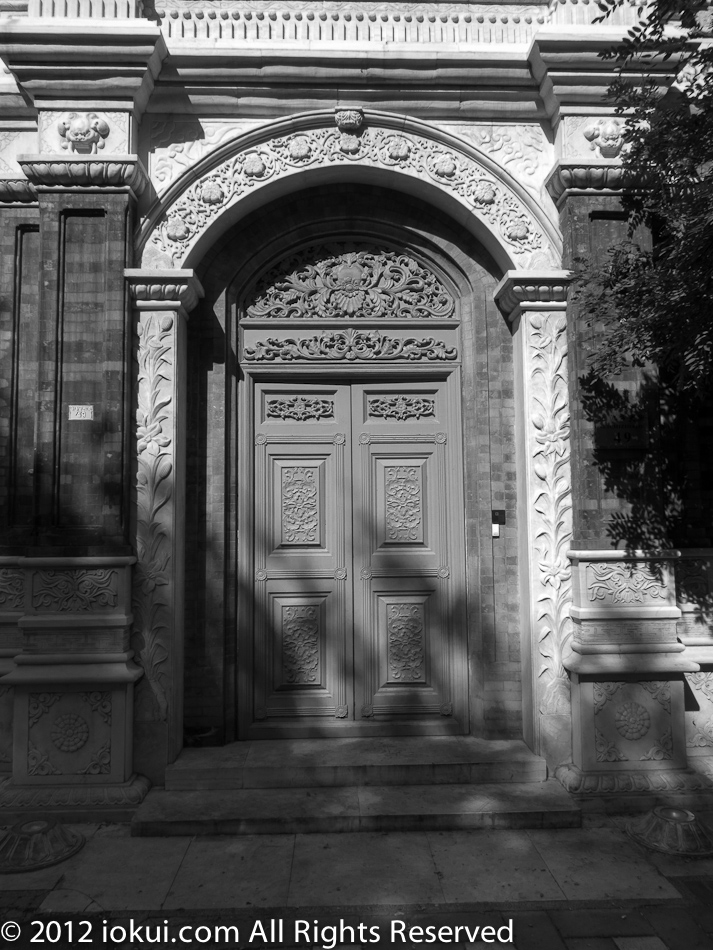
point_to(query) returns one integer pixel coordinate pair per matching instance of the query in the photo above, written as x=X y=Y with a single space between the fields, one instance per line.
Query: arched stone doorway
x=249 y=279
x=516 y=679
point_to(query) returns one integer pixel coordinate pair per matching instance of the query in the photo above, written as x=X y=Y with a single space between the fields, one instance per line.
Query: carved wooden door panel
x=303 y=598
x=358 y=559
x=408 y=544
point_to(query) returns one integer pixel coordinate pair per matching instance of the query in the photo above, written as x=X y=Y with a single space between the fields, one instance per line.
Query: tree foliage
x=653 y=298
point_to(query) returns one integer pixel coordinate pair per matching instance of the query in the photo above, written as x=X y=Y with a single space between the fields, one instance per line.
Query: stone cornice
x=540 y=290
x=67 y=62
x=164 y=289
x=123 y=173
x=584 y=177
x=16 y=191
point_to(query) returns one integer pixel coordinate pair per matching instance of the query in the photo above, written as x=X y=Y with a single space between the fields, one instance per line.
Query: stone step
x=403 y=760
x=355 y=808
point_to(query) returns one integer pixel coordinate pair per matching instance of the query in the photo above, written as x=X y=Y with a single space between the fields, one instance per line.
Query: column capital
x=178 y=290
x=532 y=290
x=585 y=177
x=119 y=173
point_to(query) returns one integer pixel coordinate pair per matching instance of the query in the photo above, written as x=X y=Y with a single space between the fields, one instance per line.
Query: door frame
x=338 y=374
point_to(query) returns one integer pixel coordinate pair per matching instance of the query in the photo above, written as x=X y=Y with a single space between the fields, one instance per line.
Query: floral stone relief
x=631 y=723
x=592 y=137
x=184 y=220
x=699 y=715
x=69 y=734
x=521 y=149
x=342 y=281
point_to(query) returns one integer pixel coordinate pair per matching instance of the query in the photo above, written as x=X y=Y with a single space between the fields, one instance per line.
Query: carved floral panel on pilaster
x=154 y=490
x=6 y=718
x=69 y=734
x=343 y=281
x=74 y=591
x=503 y=212
x=547 y=413
x=631 y=725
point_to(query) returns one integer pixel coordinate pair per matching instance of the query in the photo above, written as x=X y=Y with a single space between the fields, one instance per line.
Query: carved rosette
x=182 y=222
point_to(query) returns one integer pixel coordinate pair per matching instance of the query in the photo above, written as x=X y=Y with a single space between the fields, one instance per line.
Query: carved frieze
x=300 y=645
x=351 y=345
x=184 y=219
x=329 y=282
x=74 y=591
x=405 y=626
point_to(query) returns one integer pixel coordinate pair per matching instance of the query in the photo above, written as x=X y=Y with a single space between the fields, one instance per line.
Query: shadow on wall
x=653 y=449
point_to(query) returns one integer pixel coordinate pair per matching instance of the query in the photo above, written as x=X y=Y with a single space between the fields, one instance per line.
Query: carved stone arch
x=405 y=154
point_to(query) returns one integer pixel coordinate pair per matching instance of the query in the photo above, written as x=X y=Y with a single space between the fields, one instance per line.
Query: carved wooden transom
x=347 y=281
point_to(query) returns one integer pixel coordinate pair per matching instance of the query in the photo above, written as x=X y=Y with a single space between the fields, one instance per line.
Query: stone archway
x=239 y=179
x=336 y=146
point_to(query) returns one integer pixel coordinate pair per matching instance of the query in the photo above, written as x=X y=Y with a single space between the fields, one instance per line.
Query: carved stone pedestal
x=73 y=691
x=627 y=670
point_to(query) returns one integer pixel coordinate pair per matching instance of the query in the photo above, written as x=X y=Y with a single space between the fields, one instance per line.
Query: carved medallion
x=299 y=408
x=328 y=282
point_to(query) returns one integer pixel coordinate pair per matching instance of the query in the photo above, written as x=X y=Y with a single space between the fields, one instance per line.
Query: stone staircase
x=289 y=786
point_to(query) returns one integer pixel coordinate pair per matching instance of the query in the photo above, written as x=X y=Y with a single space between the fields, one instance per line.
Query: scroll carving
x=350 y=345
x=300 y=644
x=12 y=589
x=74 y=590
x=335 y=282
x=406 y=654
x=400 y=408
x=299 y=408
x=623 y=583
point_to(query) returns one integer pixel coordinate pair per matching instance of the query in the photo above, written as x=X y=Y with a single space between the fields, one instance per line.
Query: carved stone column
x=162 y=300
x=535 y=303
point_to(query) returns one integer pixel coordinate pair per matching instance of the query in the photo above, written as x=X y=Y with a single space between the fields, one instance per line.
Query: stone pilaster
x=535 y=303
x=162 y=300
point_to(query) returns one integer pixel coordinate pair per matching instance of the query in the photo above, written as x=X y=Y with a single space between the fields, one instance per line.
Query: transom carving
x=343 y=281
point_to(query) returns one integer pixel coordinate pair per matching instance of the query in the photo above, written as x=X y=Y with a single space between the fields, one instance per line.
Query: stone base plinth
x=72 y=802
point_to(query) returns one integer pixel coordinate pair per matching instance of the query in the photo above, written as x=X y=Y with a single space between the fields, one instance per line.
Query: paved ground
x=575 y=889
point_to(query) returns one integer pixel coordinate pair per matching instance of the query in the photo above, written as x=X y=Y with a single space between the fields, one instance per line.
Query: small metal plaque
x=81 y=412
x=622 y=436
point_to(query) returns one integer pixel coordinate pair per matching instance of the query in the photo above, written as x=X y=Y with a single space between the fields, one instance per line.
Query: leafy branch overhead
x=651 y=298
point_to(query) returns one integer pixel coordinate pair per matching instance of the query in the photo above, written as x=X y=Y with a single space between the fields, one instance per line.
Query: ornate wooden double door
x=358 y=557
